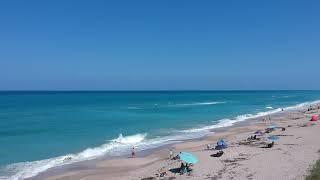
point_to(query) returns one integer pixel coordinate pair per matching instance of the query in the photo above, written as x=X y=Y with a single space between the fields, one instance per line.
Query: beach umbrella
x=259 y=133
x=221 y=144
x=273 y=126
x=188 y=157
x=314 y=118
x=273 y=138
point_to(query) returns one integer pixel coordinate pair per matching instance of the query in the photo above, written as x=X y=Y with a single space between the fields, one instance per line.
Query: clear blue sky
x=165 y=44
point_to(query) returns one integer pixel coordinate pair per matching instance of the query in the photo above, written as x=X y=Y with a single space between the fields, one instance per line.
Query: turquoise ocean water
x=38 y=130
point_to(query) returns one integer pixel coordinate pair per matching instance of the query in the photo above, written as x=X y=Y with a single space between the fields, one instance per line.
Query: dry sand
x=290 y=157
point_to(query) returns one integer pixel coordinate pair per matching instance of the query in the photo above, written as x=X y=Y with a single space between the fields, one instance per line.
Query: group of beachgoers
x=185 y=168
x=310 y=108
x=262 y=138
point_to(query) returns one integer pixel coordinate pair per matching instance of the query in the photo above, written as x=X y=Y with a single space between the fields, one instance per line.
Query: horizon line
x=155 y=90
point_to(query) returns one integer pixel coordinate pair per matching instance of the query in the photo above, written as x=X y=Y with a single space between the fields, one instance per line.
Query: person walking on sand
x=133 y=153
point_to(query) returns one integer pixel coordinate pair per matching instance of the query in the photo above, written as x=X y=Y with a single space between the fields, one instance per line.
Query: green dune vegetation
x=315 y=172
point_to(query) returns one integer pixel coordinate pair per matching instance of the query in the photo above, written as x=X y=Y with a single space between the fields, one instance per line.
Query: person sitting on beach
x=183 y=169
x=188 y=168
x=208 y=146
x=176 y=157
x=253 y=138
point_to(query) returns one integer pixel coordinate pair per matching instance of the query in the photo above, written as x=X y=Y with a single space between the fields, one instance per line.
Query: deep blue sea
x=38 y=130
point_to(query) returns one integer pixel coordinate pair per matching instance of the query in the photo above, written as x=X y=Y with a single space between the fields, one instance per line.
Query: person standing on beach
x=133 y=153
x=170 y=154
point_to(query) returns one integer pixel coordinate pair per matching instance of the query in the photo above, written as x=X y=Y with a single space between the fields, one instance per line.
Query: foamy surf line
x=229 y=122
x=173 y=105
x=123 y=144
x=201 y=103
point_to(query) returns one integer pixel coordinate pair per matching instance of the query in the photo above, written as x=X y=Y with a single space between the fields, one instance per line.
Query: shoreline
x=151 y=157
x=89 y=164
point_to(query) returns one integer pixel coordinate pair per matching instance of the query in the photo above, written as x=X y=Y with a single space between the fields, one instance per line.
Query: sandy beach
x=289 y=158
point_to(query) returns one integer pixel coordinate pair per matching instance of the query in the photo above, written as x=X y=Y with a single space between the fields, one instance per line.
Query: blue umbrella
x=188 y=157
x=221 y=144
x=273 y=125
x=273 y=138
x=259 y=132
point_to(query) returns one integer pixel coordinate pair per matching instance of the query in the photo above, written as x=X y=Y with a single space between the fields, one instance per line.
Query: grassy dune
x=315 y=172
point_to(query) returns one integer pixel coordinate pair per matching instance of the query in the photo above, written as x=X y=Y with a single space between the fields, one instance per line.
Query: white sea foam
x=223 y=123
x=288 y=96
x=172 y=105
x=200 y=103
x=269 y=107
x=122 y=145
x=119 y=146
x=229 y=122
x=116 y=146
x=132 y=107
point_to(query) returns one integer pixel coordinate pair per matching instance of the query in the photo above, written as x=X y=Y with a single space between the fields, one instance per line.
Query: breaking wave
x=229 y=122
x=200 y=103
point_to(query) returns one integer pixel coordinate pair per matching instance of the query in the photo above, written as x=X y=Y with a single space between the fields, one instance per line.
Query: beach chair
x=270 y=145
